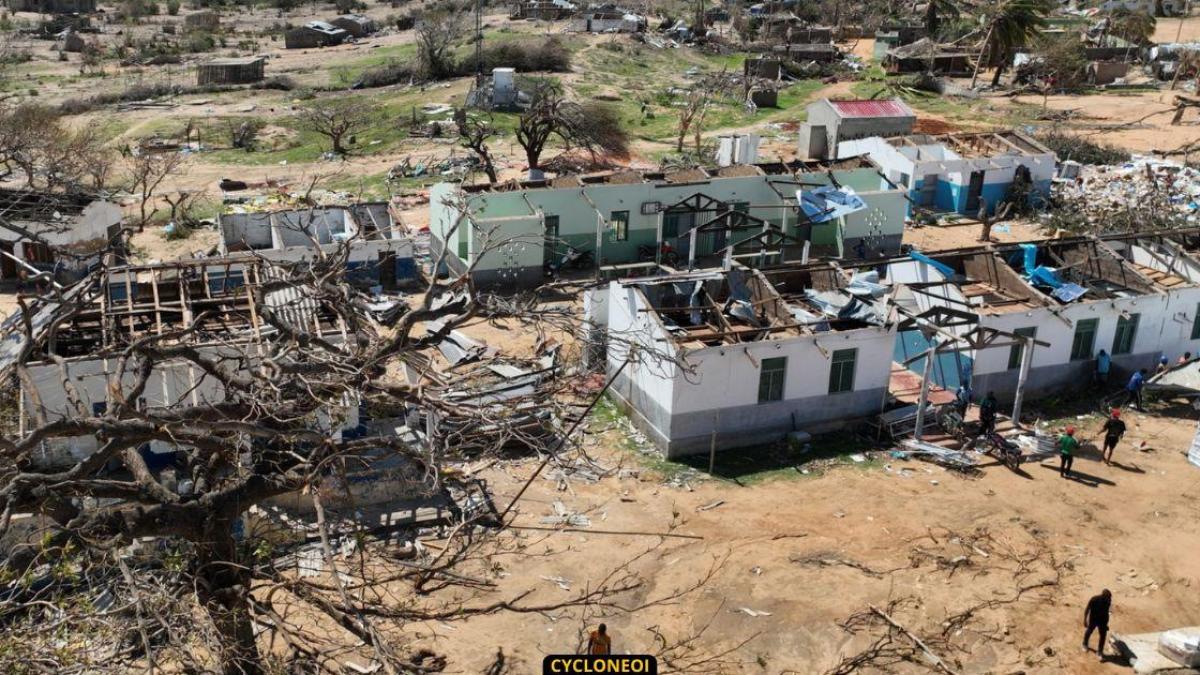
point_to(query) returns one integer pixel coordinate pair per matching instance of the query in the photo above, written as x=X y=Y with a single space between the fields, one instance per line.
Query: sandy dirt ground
x=802 y=553
x=963 y=235
x=1136 y=121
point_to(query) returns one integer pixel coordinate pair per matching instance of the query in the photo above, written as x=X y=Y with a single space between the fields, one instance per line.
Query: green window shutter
x=1125 y=334
x=1085 y=339
x=619 y=224
x=1017 y=351
x=771 y=377
x=841 y=370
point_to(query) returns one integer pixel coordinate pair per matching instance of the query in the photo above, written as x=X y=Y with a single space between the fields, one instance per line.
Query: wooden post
x=920 y=428
x=1026 y=361
x=692 y=250
x=658 y=238
x=599 y=240
x=712 y=445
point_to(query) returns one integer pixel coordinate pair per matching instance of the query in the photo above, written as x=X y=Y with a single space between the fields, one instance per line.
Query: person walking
x=1103 y=365
x=987 y=413
x=1187 y=356
x=1067 y=445
x=1133 y=390
x=1114 y=429
x=963 y=398
x=1164 y=364
x=599 y=641
x=1095 y=618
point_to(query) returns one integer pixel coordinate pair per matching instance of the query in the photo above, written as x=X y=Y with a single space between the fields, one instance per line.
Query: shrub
x=173 y=7
x=1081 y=149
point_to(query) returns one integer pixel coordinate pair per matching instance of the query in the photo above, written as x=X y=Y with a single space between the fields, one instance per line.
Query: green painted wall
x=578 y=218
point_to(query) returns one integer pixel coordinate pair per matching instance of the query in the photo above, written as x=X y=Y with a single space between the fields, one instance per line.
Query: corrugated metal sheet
x=891 y=108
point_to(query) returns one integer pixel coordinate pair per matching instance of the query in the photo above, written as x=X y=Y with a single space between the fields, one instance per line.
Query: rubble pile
x=1138 y=183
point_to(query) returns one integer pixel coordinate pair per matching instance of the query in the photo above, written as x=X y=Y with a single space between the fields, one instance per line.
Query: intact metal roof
x=868 y=108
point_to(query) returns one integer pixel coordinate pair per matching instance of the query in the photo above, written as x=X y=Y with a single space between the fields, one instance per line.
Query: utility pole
x=478 y=43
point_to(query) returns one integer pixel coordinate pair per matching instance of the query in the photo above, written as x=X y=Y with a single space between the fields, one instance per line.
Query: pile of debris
x=1102 y=191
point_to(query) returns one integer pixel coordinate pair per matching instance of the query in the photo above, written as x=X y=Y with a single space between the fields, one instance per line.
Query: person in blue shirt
x=1103 y=365
x=963 y=398
x=1133 y=390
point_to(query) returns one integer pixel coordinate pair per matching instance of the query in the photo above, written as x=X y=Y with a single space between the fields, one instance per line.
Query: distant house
x=231 y=71
x=925 y=55
x=959 y=172
x=822 y=52
x=380 y=254
x=607 y=21
x=831 y=122
x=1169 y=7
x=541 y=10
x=53 y=6
x=76 y=224
x=206 y=20
x=314 y=34
x=356 y=25
x=888 y=38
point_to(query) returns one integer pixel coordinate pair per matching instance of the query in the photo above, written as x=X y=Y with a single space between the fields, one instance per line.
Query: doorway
x=974 y=191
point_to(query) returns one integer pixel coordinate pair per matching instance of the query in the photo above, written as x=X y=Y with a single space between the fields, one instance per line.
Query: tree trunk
x=979 y=62
x=533 y=157
x=999 y=71
x=224 y=587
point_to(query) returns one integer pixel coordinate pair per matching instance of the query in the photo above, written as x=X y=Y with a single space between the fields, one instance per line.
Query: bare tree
x=338 y=119
x=243 y=132
x=436 y=36
x=146 y=173
x=474 y=134
x=266 y=375
x=591 y=126
x=696 y=105
x=36 y=143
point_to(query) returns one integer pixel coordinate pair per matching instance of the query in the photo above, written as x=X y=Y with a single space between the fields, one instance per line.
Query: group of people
x=1137 y=381
x=1068 y=444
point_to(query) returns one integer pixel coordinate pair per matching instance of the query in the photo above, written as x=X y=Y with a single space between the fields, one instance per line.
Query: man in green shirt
x=1067 y=445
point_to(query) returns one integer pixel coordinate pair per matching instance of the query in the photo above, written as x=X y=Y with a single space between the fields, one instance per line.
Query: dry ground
x=1131 y=527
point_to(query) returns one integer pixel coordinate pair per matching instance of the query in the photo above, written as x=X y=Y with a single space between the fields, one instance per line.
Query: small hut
x=231 y=71
x=355 y=24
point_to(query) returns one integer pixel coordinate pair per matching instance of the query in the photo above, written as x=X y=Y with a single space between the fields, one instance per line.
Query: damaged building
x=69 y=231
x=961 y=172
x=541 y=10
x=1133 y=296
x=724 y=358
x=314 y=34
x=607 y=20
x=739 y=357
x=927 y=56
x=379 y=252
x=231 y=71
x=53 y=6
x=215 y=294
x=508 y=233
x=831 y=122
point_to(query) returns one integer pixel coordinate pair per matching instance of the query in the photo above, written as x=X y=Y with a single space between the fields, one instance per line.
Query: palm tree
x=935 y=11
x=1011 y=26
x=1135 y=27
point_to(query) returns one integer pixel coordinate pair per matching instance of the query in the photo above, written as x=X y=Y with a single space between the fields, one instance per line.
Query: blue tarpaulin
x=827 y=203
x=946 y=270
x=1040 y=275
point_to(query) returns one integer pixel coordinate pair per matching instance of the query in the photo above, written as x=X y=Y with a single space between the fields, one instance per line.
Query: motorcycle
x=667 y=254
x=1001 y=448
x=573 y=258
